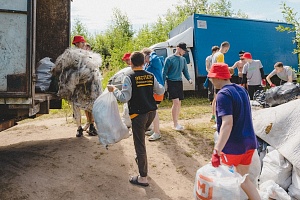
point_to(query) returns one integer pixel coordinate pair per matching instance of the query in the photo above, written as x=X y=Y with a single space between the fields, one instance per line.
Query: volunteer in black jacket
x=137 y=89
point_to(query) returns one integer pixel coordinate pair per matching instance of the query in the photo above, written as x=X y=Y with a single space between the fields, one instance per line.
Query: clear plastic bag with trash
x=220 y=183
x=109 y=125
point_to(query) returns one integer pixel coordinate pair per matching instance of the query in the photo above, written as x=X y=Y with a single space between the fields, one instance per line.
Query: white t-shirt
x=209 y=60
x=286 y=72
x=253 y=72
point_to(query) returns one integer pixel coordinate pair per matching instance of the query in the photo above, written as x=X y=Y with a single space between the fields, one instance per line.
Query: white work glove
x=191 y=81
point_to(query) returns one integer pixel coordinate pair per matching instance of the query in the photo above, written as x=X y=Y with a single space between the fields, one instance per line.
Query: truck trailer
x=201 y=32
x=30 y=30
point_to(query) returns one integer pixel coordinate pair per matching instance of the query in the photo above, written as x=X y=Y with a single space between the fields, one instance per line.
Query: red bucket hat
x=126 y=56
x=247 y=55
x=219 y=70
x=77 y=39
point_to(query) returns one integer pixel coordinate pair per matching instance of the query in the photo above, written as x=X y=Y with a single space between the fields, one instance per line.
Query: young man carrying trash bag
x=137 y=89
x=237 y=141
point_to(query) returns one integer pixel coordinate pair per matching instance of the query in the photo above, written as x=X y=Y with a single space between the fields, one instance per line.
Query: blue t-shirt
x=156 y=66
x=234 y=100
x=174 y=67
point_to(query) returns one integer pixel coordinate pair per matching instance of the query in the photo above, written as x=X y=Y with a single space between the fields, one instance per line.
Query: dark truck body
x=30 y=30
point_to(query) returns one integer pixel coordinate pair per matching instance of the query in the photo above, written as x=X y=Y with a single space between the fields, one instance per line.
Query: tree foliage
x=291 y=17
x=120 y=38
x=79 y=29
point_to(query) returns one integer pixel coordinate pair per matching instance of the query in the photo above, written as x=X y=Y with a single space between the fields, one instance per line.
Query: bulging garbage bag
x=219 y=183
x=106 y=114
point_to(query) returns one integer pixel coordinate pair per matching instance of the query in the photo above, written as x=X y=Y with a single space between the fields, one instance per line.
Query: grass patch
x=191 y=108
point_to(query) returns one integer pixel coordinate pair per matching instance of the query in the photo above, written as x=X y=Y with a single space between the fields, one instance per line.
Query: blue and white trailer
x=201 y=32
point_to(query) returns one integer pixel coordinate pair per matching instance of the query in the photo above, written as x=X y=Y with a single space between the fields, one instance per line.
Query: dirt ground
x=42 y=159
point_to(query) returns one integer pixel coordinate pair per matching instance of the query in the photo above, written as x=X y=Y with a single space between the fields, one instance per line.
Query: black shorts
x=175 y=90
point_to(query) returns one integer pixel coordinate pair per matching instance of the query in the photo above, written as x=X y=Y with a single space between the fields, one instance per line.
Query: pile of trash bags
x=275 y=166
x=79 y=77
x=279 y=128
x=277 y=95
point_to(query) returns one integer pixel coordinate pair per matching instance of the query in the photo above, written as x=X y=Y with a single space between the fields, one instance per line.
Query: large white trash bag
x=270 y=189
x=125 y=116
x=276 y=168
x=279 y=127
x=294 y=189
x=217 y=183
x=110 y=127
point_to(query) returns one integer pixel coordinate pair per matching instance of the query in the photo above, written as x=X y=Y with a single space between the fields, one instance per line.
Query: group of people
x=142 y=88
x=237 y=141
x=250 y=71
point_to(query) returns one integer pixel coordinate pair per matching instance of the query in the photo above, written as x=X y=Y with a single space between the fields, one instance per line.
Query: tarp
x=186 y=36
x=280 y=127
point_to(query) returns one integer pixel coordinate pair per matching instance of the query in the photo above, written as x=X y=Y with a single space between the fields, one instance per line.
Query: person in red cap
x=80 y=43
x=237 y=141
x=253 y=74
x=126 y=58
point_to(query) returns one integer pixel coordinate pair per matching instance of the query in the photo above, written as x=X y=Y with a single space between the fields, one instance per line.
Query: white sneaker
x=178 y=127
x=214 y=126
x=86 y=126
x=154 y=136
x=149 y=133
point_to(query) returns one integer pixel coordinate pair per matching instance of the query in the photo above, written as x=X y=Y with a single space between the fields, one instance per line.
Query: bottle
x=231 y=169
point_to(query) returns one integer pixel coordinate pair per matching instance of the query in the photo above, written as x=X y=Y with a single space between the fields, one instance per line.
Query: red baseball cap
x=77 y=39
x=126 y=56
x=219 y=70
x=247 y=55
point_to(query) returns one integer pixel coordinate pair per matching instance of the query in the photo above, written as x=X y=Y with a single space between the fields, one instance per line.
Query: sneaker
x=85 y=127
x=178 y=127
x=213 y=118
x=149 y=133
x=154 y=136
x=214 y=126
x=79 y=132
x=92 y=130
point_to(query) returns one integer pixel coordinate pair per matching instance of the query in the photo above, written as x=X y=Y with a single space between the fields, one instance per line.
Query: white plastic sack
x=125 y=115
x=44 y=74
x=276 y=168
x=217 y=183
x=270 y=189
x=117 y=79
x=110 y=127
x=294 y=189
x=279 y=127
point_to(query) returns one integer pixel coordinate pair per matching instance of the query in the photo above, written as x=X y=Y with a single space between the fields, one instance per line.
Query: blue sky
x=96 y=16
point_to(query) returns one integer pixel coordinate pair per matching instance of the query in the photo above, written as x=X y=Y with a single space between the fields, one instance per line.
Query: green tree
x=291 y=17
x=79 y=29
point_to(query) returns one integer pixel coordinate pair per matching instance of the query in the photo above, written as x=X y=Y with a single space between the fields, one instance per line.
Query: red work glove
x=263 y=82
x=273 y=85
x=215 y=159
